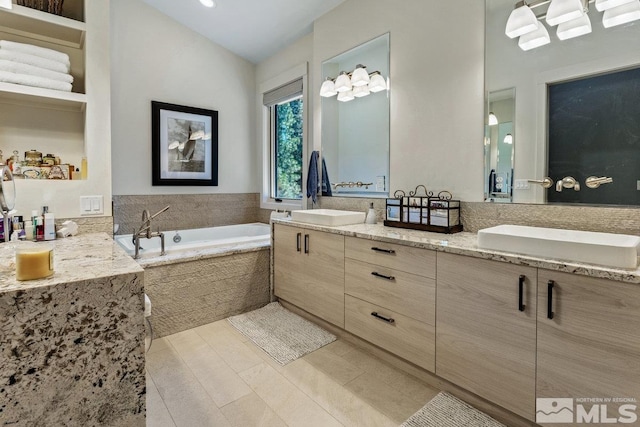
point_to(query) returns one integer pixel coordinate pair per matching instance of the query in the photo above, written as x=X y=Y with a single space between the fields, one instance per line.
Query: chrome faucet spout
x=145 y=231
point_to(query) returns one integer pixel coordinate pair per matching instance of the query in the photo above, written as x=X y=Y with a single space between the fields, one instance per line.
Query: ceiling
x=252 y=29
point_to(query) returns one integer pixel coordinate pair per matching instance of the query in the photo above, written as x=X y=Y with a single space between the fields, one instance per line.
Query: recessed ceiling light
x=208 y=3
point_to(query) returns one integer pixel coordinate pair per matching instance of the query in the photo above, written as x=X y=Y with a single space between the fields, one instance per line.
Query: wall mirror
x=555 y=66
x=499 y=146
x=355 y=121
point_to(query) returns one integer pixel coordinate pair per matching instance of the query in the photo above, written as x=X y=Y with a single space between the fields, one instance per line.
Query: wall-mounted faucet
x=595 y=182
x=145 y=231
x=545 y=183
x=567 y=182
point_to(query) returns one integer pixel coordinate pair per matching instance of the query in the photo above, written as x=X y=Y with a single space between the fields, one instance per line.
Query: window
x=284 y=140
x=286 y=153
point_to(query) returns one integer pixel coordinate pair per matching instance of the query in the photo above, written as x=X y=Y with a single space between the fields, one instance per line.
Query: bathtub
x=197 y=238
x=210 y=274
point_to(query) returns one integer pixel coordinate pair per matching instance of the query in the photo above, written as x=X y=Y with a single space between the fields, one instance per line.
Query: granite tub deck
x=194 y=287
x=72 y=345
x=466 y=243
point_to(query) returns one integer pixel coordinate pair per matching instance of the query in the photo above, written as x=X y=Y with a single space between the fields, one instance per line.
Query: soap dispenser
x=371 y=215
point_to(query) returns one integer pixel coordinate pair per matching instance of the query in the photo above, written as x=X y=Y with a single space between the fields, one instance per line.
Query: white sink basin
x=613 y=250
x=329 y=217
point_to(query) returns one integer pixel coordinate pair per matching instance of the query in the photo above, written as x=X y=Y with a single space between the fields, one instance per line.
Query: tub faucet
x=145 y=232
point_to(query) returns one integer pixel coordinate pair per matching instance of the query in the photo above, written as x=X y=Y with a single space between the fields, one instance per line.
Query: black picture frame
x=184 y=145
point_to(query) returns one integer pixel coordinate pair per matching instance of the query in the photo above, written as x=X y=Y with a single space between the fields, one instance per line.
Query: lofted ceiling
x=252 y=29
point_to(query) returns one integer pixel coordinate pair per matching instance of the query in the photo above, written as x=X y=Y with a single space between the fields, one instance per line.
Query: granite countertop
x=465 y=243
x=79 y=258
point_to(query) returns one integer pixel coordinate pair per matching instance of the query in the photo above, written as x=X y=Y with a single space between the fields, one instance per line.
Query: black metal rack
x=427 y=212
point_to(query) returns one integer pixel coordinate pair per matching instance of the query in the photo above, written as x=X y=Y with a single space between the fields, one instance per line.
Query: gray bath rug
x=285 y=336
x=444 y=410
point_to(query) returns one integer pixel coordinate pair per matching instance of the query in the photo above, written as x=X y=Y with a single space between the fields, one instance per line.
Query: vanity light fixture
x=356 y=84
x=328 y=88
x=377 y=82
x=493 y=120
x=564 y=10
x=521 y=21
x=343 y=82
x=508 y=139
x=574 y=28
x=602 y=5
x=360 y=77
x=208 y=3
x=345 y=96
x=360 y=91
x=621 y=14
x=538 y=38
x=571 y=17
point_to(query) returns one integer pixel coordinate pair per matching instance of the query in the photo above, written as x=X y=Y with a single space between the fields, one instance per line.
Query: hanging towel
x=34 y=60
x=17 y=67
x=26 y=80
x=312 y=177
x=42 y=52
x=326 y=183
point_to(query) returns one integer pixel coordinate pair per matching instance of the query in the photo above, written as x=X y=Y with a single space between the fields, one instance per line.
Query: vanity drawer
x=399 y=257
x=401 y=335
x=404 y=293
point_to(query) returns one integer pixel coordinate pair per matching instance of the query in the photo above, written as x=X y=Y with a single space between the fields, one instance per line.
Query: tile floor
x=214 y=376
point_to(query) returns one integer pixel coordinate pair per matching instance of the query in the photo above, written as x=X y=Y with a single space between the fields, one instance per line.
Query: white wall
x=155 y=58
x=437 y=86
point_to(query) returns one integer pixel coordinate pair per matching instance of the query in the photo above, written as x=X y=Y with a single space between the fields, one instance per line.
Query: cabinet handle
x=386 y=251
x=306 y=243
x=550 y=299
x=521 y=306
x=384 y=319
x=382 y=276
x=298 y=241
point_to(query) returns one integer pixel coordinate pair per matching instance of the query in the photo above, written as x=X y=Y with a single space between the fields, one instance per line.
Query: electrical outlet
x=638 y=185
x=522 y=184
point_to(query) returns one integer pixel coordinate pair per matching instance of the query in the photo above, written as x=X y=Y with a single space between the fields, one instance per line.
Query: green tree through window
x=288 y=149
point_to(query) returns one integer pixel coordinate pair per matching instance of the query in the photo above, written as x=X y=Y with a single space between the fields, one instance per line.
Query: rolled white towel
x=42 y=52
x=27 y=80
x=36 y=61
x=20 y=68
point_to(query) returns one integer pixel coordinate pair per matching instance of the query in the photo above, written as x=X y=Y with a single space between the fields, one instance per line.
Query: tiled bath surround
x=193 y=293
x=479 y=215
x=188 y=210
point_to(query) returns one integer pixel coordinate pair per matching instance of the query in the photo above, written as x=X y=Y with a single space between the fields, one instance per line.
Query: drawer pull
x=298 y=241
x=386 y=251
x=306 y=243
x=384 y=319
x=382 y=276
x=550 y=285
x=521 y=305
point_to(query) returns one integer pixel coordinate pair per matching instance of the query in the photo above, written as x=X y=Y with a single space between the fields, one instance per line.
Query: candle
x=34 y=262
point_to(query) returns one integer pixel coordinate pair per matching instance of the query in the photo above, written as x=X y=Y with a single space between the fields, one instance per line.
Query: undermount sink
x=329 y=217
x=612 y=250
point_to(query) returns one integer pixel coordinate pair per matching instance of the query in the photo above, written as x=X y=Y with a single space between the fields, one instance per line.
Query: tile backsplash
x=478 y=215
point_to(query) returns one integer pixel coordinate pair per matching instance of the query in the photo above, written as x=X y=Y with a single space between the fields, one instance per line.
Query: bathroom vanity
x=72 y=345
x=506 y=327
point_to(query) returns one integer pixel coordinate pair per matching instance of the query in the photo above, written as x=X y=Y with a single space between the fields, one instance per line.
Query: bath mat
x=444 y=410
x=283 y=335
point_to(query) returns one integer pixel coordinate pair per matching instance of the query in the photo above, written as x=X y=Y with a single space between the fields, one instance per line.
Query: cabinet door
x=289 y=274
x=484 y=343
x=591 y=346
x=324 y=271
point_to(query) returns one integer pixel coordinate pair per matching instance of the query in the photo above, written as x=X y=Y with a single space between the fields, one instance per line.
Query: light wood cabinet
x=486 y=332
x=309 y=271
x=588 y=338
x=390 y=298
